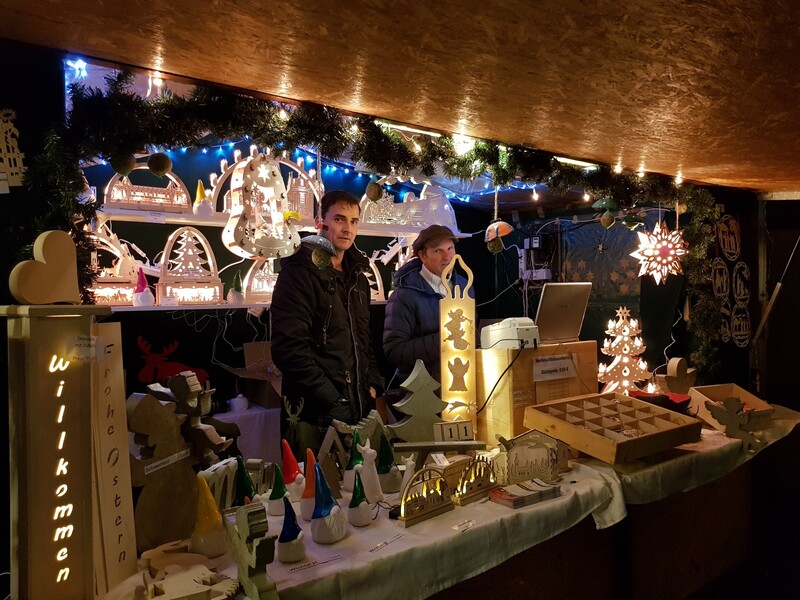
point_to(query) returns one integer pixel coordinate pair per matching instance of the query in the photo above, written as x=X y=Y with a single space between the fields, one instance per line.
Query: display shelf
x=117 y=309
x=221 y=219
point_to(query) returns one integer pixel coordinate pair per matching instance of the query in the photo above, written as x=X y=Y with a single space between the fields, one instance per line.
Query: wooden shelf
x=119 y=309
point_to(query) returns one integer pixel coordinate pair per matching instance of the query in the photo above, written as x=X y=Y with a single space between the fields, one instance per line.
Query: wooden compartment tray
x=612 y=427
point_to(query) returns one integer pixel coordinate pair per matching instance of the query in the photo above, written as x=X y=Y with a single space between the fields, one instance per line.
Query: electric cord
x=499 y=379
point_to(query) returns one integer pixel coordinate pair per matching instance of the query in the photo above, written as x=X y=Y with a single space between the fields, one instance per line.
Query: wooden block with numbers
x=612 y=427
x=450 y=431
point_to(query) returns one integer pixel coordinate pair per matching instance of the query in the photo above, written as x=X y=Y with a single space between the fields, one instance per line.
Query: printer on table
x=514 y=332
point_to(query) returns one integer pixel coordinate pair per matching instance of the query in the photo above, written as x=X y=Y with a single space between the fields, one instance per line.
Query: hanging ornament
x=496 y=229
x=123 y=164
x=159 y=164
x=322 y=250
x=607 y=220
x=632 y=220
x=660 y=252
x=374 y=192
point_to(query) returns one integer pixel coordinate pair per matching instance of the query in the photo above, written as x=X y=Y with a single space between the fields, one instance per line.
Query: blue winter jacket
x=411 y=325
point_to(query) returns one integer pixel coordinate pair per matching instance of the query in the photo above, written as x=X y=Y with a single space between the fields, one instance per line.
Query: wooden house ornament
x=122 y=193
x=475 y=482
x=189 y=270
x=427 y=495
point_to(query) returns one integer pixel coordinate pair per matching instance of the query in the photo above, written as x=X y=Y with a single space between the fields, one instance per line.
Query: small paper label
x=440 y=459
x=85 y=348
x=155 y=217
x=168 y=301
x=553 y=366
x=256 y=310
x=165 y=462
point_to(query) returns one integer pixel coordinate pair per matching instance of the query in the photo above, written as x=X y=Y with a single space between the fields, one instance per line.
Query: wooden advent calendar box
x=542 y=374
x=613 y=427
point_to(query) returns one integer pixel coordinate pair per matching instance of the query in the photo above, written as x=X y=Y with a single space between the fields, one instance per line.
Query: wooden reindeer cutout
x=158 y=369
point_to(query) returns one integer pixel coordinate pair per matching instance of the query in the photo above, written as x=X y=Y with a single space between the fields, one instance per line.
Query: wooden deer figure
x=158 y=368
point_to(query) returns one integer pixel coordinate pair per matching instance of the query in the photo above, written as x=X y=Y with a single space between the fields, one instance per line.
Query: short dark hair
x=334 y=197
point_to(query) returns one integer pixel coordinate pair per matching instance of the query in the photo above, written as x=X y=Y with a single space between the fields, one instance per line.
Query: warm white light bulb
x=586 y=197
x=618 y=168
x=679 y=178
x=283 y=114
x=535 y=195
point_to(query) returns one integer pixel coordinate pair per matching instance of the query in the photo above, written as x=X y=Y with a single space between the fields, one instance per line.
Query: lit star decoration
x=660 y=252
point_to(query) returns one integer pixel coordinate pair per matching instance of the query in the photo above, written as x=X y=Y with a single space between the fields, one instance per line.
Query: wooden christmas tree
x=421 y=405
x=626 y=346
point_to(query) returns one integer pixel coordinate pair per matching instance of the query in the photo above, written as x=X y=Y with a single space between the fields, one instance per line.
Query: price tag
x=553 y=366
x=256 y=310
x=440 y=459
x=155 y=217
x=85 y=348
x=168 y=301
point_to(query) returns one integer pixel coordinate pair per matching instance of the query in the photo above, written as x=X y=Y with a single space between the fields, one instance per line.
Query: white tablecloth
x=681 y=469
x=260 y=431
x=386 y=560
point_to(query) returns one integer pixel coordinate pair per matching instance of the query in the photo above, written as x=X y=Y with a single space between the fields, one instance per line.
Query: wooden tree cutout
x=421 y=406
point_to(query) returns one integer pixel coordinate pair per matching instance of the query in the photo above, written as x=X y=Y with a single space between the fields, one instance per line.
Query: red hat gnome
x=292 y=475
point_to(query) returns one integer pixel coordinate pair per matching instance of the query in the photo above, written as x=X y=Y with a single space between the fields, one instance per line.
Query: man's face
x=437 y=257
x=340 y=225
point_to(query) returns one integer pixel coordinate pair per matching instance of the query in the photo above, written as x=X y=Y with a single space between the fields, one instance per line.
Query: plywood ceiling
x=708 y=88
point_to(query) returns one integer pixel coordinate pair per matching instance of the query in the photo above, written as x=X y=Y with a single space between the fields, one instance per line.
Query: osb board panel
x=612 y=427
x=708 y=88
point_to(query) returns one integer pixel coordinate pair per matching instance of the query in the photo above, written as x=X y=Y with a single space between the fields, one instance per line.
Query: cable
x=498 y=295
x=496 y=383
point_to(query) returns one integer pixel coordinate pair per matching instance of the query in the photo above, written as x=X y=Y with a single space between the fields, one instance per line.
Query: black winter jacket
x=321 y=337
x=411 y=325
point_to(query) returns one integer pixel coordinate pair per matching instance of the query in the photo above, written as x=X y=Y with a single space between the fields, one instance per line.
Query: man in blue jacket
x=321 y=338
x=411 y=326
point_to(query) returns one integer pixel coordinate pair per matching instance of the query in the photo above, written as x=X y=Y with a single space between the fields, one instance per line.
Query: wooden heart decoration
x=53 y=274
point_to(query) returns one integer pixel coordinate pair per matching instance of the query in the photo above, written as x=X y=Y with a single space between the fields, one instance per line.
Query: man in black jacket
x=321 y=338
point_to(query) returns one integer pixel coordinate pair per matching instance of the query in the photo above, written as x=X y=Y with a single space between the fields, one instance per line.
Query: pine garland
x=116 y=123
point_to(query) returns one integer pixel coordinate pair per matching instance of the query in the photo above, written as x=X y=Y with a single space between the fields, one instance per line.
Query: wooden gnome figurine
x=292 y=475
x=355 y=459
x=410 y=463
x=328 y=524
x=276 y=496
x=388 y=473
x=235 y=295
x=142 y=295
x=359 y=513
x=291 y=542
x=209 y=537
x=309 y=490
x=369 y=474
x=245 y=490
